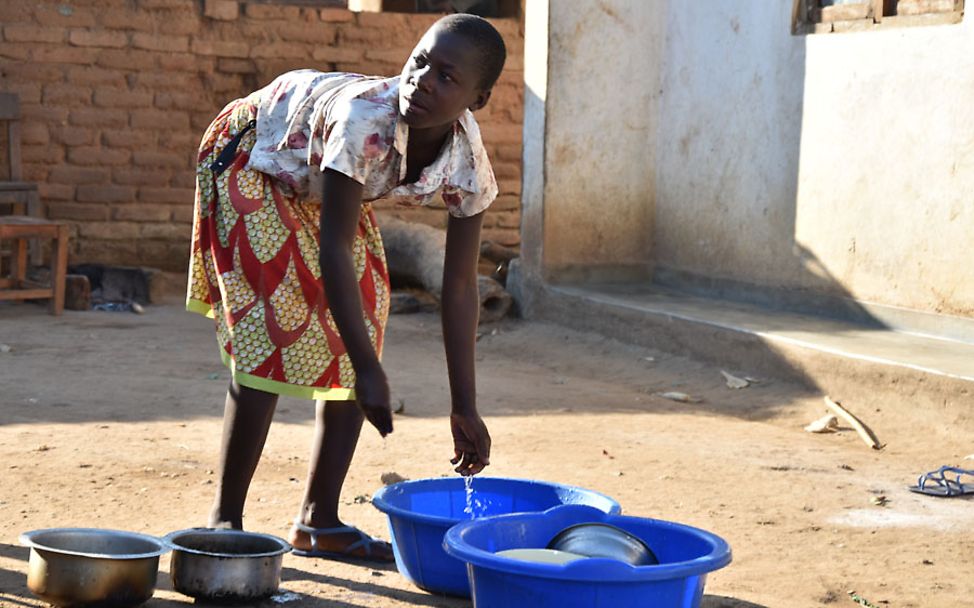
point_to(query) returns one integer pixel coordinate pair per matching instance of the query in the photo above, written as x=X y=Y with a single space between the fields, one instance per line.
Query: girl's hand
x=372 y=394
x=471 y=443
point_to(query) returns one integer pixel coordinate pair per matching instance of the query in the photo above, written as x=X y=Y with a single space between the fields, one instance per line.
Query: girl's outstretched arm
x=340 y=209
x=461 y=310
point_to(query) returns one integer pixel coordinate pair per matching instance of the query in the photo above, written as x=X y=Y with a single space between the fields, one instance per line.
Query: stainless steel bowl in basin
x=604 y=540
x=225 y=565
x=92 y=567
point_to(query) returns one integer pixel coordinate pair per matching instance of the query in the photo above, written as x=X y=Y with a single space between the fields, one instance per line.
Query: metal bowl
x=225 y=565
x=92 y=567
x=604 y=540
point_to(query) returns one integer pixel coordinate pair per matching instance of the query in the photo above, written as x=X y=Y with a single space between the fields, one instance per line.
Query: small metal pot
x=72 y=567
x=225 y=565
x=604 y=540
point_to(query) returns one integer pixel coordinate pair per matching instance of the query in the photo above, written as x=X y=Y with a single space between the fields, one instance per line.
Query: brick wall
x=116 y=95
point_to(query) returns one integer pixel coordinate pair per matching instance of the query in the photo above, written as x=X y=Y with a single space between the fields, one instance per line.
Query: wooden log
x=497 y=253
x=414 y=253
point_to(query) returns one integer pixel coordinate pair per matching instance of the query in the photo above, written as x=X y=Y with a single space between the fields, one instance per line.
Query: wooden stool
x=20 y=229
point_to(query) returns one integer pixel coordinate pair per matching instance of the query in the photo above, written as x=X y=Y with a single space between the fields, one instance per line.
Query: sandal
x=365 y=542
x=936 y=483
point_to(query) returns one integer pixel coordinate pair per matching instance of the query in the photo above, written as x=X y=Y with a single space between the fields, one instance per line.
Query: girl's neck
x=429 y=137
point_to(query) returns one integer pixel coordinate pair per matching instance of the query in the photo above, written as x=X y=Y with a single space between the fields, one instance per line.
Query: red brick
x=15 y=50
x=129 y=138
x=29 y=92
x=180 y=140
x=160 y=42
x=231 y=65
x=45 y=114
x=509 y=220
x=167 y=231
x=34 y=133
x=335 y=54
x=66 y=95
x=506 y=202
x=186 y=62
x=176 y=100
x=221 y=10
x=179 y=5
x=313 y=32
x=507 y=170
x=509 y=186
x=98 y=156
x=67 y=174
x=384 y=20
x=86 y=75
x=184 y=179
x=396 y=56
x=130 y=59
x=61 y=14
x=74 y=136
x=47 y=154
x=55 y=192
x=279 y=50
x=164 y=254
x=106 y=194
x=166 y=195
x=183 y=214
x=159 y=120
x=109 y=231
x=163 y=80
x=86 y=117
x=351 y=35
x=504 y=236
x=108 y=252
x=141 y=213
x=503 y=134
x=360 y=68
x=16 y=12
x=122 y=98
x=74 y=211
x=36 y=73
x=509 y=152
x=147 y=158
x=33 y=33
x=62 y=54
x=99 y=38
x=221 y=48
x=121 y=19
x=224 y=84
x=200 y=121
x=336 y=15
x=264 y=11
x=140 y=177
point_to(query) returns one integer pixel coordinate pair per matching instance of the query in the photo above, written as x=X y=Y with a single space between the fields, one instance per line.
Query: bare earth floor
x=113 y=420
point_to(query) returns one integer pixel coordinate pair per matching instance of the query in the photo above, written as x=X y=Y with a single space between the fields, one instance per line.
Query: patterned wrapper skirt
x=254 y=269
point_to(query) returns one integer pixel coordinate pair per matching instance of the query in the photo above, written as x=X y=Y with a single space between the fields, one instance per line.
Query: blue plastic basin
x=686 y=555
x=421 y=511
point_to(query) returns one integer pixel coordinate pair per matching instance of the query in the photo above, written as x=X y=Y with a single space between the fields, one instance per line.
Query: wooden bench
x=19 y=230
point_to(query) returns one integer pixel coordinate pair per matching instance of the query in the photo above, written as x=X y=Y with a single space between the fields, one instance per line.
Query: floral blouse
x=309 y=121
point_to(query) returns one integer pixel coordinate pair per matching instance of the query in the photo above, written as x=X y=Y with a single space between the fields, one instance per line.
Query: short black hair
x=485 y=38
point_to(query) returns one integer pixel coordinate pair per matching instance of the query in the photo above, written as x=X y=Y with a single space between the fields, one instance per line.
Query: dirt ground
x=113 y=420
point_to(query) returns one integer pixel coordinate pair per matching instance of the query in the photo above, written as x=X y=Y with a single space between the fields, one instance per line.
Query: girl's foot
x=338 y=542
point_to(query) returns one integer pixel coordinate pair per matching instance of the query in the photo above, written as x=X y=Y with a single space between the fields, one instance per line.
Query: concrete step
x=870 y=366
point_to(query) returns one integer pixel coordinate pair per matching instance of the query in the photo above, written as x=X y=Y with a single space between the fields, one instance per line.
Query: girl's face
x=440 y=80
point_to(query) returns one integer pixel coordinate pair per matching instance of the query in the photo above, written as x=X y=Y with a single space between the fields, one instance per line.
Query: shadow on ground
x=98 y=367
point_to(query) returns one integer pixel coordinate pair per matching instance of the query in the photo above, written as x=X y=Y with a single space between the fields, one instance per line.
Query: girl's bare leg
x=337 y=428
x=246 y=419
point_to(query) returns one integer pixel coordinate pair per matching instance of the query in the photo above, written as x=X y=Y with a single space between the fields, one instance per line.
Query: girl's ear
x=482 y=98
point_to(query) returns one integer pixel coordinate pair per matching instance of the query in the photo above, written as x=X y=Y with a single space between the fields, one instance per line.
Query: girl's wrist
x=463 y=407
